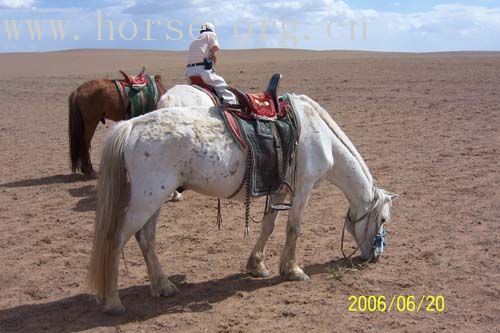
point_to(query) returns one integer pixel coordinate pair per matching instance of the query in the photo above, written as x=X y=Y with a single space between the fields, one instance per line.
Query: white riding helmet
x=208 y=27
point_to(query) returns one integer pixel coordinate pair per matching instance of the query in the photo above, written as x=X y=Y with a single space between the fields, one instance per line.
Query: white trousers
x=212 y=79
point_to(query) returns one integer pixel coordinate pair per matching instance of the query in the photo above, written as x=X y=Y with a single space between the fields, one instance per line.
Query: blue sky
x=399 y=25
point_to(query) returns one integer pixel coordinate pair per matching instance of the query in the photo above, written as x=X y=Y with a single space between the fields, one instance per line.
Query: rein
x=348 y=217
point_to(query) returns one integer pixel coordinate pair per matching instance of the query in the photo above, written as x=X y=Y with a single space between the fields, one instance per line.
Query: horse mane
x=337 y=131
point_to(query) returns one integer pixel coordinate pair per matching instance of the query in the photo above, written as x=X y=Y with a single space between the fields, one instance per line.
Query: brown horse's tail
x=112 y=195
x=75 y=133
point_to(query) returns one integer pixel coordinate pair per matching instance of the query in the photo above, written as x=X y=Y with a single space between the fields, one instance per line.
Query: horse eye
x=384 y=220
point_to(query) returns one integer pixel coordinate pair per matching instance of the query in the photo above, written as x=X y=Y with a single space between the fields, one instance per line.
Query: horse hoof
x=114 y=310
x=170 y=291
x=298 y=277
x=296 y=274
x=176 y=197
x=259 y=272
x=90 y=174
x=256 y=267
x=165 y=289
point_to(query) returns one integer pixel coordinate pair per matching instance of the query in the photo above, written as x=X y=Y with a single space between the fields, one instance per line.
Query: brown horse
x=90 y=103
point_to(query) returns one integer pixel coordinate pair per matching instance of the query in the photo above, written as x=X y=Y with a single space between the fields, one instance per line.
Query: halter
x=378 y=239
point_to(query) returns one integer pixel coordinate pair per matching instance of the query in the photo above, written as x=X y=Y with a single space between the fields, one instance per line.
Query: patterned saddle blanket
x=139 y=94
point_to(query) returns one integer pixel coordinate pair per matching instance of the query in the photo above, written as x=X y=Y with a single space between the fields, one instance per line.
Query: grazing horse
x=90 y=103
x=145 y=159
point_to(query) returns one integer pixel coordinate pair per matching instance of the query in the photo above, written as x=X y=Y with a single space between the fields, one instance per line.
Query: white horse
x=183 y=95
x=191 y=147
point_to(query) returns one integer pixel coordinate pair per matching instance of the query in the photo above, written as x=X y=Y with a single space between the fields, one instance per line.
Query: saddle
x=137 y=81
x=139 y=94
x=197 y=82
x=268 y=129
x=263 y=105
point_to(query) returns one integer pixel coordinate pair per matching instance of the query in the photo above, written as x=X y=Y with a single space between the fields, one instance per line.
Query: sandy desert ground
x=428 y=126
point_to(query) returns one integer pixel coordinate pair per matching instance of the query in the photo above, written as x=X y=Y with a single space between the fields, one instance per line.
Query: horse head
x=368 y=228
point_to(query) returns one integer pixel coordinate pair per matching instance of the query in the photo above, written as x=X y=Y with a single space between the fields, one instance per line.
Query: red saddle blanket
x=262 y=106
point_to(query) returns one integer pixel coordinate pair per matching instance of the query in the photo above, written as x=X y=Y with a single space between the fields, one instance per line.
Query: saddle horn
x=272 y=89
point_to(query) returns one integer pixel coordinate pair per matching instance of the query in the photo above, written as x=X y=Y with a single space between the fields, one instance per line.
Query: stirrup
x=281 y=207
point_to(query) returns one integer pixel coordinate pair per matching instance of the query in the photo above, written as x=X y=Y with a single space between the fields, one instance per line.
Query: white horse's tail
x=111 y=200
x=339 y=134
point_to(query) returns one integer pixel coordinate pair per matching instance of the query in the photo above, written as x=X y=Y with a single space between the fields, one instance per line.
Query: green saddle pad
x=142 y=99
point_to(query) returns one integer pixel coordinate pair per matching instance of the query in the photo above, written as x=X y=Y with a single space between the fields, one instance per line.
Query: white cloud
x=15 y=4
x=284 y=5
x=443 y=27
x=445 y=18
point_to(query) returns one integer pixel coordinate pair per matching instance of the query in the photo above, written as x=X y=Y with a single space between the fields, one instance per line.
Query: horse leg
x=255 y=263
x=135 y=219
x=288 y=266
x=89 y=130
x=146 y=237
x=139 y=211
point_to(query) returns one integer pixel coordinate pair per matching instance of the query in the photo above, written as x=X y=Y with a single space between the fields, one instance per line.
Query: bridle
x=377 y=239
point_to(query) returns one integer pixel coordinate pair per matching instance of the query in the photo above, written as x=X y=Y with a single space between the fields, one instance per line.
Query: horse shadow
x=80 y=312
x=56 y=179
x=88 y=195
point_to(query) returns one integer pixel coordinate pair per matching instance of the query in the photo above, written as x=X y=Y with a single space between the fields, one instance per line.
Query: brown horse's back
x=100 y=99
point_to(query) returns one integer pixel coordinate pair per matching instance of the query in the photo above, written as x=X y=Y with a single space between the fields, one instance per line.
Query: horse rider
x=201 y=59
